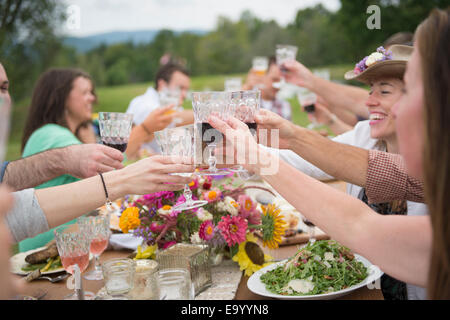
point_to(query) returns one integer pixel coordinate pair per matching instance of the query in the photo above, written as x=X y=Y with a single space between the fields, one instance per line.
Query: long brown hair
x=48 y=102
x=433 y=40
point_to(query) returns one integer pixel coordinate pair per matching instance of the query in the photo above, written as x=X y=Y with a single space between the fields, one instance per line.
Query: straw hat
x=382 y=63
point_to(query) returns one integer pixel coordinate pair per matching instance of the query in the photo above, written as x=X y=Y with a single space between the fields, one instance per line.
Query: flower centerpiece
x=227 y=223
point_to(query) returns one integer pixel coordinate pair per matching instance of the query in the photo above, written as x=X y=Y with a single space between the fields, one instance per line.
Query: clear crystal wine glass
x=307 y=100
x=283 y=54
x=233 y=84
x=99 y=229
x=205 y=104
x=244 y=106
x=115 y=129
x=179 y=141
x=260 y=65
x=73 y=248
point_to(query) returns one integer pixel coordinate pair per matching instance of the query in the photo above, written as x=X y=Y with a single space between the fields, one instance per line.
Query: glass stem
x=312 y=234
x=212 y=160
x=98 y=267
x=187 y=193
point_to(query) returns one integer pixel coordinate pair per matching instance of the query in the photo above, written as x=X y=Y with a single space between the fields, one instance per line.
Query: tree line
x=29 y=41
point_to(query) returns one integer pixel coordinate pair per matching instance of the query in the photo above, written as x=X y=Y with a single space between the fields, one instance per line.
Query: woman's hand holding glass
x=240 y=141
x=149 y=175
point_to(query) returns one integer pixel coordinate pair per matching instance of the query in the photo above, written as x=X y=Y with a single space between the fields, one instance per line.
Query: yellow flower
x=129 y=219
x=250 y=256
x=148 y=253
x=273 y=226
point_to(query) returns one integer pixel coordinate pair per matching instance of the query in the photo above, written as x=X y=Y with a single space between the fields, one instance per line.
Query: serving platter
x=256 y=286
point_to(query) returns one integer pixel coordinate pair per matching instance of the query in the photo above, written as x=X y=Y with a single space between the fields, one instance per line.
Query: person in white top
x=169 y=77
x=377 y=133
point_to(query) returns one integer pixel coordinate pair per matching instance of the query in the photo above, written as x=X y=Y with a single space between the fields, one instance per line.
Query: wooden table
x=57 y=291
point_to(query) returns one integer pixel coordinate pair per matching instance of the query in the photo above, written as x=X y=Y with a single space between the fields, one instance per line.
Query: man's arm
x=81 y=161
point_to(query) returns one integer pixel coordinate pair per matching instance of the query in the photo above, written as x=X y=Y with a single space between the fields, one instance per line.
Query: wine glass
x=233 y=84
x=244 y=106
x=73 y=248
x=98 y=228
x=311 y=230
x=205 y=104
x=322 y=73
x=283 y=54
x=307 y=100
x=179 y=141
x=260 y=65
x=115 y=129
x=171 y=96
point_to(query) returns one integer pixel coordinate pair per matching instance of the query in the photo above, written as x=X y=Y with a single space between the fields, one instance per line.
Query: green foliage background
x=29 y=44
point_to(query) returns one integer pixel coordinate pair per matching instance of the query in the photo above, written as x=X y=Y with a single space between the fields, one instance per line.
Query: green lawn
x=117 y=98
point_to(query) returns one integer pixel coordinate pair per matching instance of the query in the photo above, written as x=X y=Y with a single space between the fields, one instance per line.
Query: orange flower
x=129 y=219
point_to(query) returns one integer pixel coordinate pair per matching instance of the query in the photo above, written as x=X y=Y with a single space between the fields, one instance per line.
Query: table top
x=57 y=291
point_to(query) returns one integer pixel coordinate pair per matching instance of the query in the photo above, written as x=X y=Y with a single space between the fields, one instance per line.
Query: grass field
x=117 y=98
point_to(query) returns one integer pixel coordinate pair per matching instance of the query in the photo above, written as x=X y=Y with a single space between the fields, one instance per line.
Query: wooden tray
x=299 y=238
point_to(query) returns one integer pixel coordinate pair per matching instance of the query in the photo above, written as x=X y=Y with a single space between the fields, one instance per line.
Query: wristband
x=108 y=202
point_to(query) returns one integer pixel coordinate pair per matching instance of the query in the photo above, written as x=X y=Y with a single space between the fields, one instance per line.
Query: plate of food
x=45 y=258
x=322 y=270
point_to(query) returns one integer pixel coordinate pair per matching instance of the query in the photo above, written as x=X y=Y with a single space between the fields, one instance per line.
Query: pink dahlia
x=206 y=231
x=233 y=229
x=246 y=205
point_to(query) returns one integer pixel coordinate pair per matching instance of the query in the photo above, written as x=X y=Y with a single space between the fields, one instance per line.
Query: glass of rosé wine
x=98 y=228
x=73 y=249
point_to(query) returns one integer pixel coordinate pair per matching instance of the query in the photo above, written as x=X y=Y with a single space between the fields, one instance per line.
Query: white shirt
x=278 y=106
x=141 y=106
x=359 y=136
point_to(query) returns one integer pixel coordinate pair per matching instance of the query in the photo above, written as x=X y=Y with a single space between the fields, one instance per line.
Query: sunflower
x=273 y=226
x=250 y=256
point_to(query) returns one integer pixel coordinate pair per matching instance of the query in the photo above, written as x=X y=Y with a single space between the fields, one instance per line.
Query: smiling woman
x=61 y=103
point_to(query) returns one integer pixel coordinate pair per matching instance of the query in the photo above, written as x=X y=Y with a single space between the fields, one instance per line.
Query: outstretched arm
x=340 y=97
x=382 y=174
x=399 y=245
x=39 y=210
x=81 y=161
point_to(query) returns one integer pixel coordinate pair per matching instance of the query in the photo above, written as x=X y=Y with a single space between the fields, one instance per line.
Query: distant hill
x=83 y=44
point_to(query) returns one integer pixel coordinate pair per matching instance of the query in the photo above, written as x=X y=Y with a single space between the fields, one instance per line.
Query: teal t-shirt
x=49 y=136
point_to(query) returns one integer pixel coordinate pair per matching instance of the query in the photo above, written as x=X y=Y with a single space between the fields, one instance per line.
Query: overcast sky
x=97 y=16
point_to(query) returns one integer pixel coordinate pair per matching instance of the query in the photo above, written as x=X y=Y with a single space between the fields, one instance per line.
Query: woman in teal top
x=61 y=104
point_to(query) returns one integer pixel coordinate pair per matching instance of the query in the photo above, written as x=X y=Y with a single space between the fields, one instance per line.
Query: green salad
x=321 y=267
